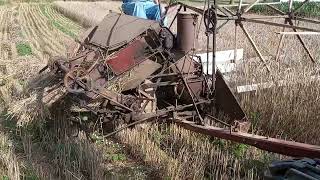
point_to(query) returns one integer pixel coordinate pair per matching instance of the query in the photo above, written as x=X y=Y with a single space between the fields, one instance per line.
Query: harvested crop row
x=62 y=19
x=5 y=23
x=40 y=35
x=2 y=27
x=28 y=39
x=28 y=32
x=181 y=154
x=58 y=22
x=5 y=45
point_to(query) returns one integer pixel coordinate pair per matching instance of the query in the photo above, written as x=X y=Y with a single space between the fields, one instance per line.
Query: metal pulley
x=210 y=20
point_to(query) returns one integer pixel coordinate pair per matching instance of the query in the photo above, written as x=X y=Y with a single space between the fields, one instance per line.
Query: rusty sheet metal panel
x=189 y=68
x=116 y=29
x=133 y=78
x=188 y=65
x=128 y=57
x=226 y=101
x=140 y=73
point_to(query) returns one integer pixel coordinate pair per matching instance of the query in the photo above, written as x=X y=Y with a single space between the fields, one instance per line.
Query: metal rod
x=235 y=42
x=227 y=18
x=299 y=33
x=302 y=42
x=175 y=17
x=289 y=148
x=276 y=9
x=191 y=96
x=218 y=120
x=221 y=26
x=202 y=17
x=250 y=6
x=298 y=8
x=290 y=5
x=278 y=24
x=280 y=44
x=160 y=10
x=126 y=126
x=239 y=7
x=214 y=46
x=267 y=17
x=247 y=4
x=223 y=10
x=254 y=46
x=229 y=11
x=112 y=100
x=193 y=101
x=195 y=9
x=208 y=35
x=307 y=20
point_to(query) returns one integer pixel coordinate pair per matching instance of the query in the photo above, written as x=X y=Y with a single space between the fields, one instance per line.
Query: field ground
x=30 y=33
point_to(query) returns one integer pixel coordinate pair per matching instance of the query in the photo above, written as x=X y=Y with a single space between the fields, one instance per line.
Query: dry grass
x=94 y=11
x=27 y=110
x=182 y=154
x=287 y=110
x=8 y=160
x=33 y=24
x=28 y=24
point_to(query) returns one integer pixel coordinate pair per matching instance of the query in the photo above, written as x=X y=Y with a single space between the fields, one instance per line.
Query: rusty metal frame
x=289 y=148
x=218 y=96
x=270 y=144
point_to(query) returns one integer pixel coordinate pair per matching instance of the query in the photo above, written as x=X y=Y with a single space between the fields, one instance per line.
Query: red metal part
x=289 y=148
x=128 y=57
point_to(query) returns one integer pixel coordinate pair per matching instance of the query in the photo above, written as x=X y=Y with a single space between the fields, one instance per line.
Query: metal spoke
x=290 y=5
x=254 y=46
x=202 y=17
x=280 y=43
x=229 y=11
x=250 y=6
x=208 y=36
x=223 y=24
x=223 y=11
x=298 y=8
x=279 y=25
x=299 y=33
x=266 y=17
x=308 y=20
x=235 y=42
x=214 y=45
x=246 y=4
x=302 y=42
x=239 y=7
x=175 y=17
x=276 y=9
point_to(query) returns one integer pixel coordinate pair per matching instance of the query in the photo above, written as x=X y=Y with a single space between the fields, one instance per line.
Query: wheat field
x=43 y=145
x=94 y=11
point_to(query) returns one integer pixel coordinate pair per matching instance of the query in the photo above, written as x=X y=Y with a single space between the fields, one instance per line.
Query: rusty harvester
x=133 y=70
